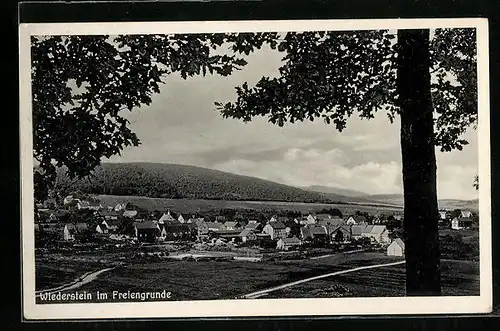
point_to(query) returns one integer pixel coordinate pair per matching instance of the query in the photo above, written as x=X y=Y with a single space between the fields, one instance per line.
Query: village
x=85 y=221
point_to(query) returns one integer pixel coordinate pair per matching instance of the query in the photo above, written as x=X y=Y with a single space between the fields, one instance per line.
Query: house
x=146 y=231
x=466 y=214
x=120 y=207
x=341 y=233
x=254 y=226
x=460 y=223
x=247 y=235
x=356 y=219
x=232 y=225
x=443 y=214
x=282 y=219
x=181 y=219
x=396 y=248
x=380 y=234
x=69 y=199
x=376 y=233
x=171 y=231
x=112 y=224
x=71 y=229
x=314 y=232
x=215 y=226
x=129 y=213
x=229 y=235
x=333 y=221
x=310 y=219
x=288 y=243
x=200 y=225
x=305 y=220
x=359 y=231
x=101 y=228
x=166 y=218
x=91 y=205
x=275 y=229
x=109 y=214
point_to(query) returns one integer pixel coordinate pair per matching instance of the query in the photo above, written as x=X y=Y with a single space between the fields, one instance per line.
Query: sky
x=182 y=126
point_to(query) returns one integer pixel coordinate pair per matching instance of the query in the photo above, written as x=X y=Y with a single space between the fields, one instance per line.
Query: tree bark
x=419 y=165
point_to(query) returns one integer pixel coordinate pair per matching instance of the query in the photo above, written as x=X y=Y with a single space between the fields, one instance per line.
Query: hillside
x=177 y=181
x=397 y=199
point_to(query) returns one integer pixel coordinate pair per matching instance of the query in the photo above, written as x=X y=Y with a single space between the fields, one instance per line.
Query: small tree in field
x=82 y=85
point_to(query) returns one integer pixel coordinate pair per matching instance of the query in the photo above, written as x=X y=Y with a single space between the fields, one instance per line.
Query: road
x=257 y=294
x=84 y=279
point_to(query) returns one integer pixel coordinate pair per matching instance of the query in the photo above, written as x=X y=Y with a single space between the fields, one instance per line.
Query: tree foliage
x=81 y=86
x=332 y=75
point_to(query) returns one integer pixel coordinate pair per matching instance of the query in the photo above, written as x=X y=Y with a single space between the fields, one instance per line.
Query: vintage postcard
x=255 y=168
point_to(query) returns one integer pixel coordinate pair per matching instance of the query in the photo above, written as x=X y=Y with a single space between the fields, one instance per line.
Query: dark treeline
x=182 y=182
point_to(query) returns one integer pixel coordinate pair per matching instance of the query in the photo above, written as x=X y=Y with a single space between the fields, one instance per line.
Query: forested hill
x=182 y=181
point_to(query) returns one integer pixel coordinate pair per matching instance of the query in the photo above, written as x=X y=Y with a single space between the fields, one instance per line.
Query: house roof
x=231 y=224
x=113 y=222
x=246 y=232
x=305 y=232
x=378 y=229
x=252 y=226
x=102 y=226
x=145 y=225
x=291 y=241
x=359 y=218
x=198 y=222
x=166 y=217
x=78 y=226
x=316 y=230
x=277 y=225
x=332 y=221
x=214 y=225
x=282 y=219
x=360 y=229
x=335 y=228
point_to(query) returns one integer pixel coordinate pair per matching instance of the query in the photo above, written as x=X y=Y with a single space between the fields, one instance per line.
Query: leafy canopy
x=82 y=84
x=331 y=75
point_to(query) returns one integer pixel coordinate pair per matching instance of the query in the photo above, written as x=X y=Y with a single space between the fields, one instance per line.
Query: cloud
x=182 y=126
x=299 y=167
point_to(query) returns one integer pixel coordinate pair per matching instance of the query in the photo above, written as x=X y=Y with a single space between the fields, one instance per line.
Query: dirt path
x=84 y=279
x=260 y=293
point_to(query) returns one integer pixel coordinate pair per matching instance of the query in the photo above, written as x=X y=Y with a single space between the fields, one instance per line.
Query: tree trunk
x=419 y=165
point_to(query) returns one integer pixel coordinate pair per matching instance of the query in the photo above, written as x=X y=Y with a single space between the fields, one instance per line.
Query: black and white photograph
x=255 y=168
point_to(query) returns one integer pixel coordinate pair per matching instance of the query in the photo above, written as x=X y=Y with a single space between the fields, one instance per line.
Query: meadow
x=206 y=280
x=199 y=205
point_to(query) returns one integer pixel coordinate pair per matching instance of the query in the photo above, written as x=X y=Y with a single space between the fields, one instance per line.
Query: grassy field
x=459 y=278
x=191 y=206
x=50 y=274
x=203 y=280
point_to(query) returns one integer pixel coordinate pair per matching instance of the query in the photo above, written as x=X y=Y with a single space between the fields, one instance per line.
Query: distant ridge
x=397 y=199
x=177 y=181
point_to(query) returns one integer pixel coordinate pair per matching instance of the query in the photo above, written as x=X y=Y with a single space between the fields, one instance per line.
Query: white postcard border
x=260 y=307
